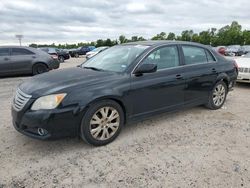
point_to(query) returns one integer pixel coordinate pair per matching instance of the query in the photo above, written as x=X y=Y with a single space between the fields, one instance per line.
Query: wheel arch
x=223 y=77
x=39 y=62
x=117 y=99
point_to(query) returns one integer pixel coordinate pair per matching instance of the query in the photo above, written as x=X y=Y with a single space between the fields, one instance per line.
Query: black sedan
x=124 y=83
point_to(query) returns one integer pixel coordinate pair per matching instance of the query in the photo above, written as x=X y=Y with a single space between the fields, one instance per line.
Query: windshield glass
x=115 y=59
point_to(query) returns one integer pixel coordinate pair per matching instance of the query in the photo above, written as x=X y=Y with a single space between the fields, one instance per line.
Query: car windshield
x=115 y=59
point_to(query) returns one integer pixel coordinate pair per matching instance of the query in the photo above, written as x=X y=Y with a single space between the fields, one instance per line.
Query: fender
x=224 y=77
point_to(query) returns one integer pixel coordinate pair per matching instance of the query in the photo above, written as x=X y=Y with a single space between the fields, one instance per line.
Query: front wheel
x=218 y=96
x=102 y=123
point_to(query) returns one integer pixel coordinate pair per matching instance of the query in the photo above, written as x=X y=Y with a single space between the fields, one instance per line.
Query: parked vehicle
x=244 y=68
x=25 y=60
x=220 y=49
x=95 y=51
x=234 y=50
x=124 y=83
x=246 y=49
x=59 y=54
x=51 y=51
x=81 y=51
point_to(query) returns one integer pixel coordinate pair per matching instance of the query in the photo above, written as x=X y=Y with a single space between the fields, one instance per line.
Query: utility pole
x=19 y=37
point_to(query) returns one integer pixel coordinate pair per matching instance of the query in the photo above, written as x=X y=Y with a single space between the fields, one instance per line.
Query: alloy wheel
x=219 y=95
x=104 y=123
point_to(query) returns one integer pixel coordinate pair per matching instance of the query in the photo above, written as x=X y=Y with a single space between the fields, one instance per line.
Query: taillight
x=54 y=56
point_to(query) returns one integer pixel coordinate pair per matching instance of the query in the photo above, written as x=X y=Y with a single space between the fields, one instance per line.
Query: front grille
x=244 y=70
x=20 y=100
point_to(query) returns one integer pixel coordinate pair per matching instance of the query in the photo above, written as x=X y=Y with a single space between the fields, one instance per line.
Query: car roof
x=162 y=42
x=15 y=47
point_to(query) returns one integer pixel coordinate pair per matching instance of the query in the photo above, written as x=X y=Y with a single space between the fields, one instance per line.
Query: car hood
x=59 y=80
x=243 y=62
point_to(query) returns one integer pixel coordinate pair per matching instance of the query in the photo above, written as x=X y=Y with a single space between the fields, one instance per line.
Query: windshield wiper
x=94 y=68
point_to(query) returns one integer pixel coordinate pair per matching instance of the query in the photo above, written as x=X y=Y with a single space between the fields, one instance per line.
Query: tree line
x=232 y=34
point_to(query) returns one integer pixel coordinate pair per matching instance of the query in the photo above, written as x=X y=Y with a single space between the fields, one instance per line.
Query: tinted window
x=165 y=57
x=209 y=56
x=194 y=55
x=21 y=51
x=4 y=51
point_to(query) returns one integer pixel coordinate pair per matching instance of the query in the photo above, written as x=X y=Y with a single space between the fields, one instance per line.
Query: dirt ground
x=191 y=148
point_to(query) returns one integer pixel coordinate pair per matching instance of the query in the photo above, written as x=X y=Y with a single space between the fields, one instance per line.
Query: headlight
x=48 y=102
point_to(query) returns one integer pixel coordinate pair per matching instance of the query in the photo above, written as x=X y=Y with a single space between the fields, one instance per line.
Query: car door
x=201 y=73
x=21 y=59
x=5 y=66
x=161 y=90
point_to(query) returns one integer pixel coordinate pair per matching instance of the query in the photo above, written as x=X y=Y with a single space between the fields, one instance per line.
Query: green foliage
x=227 y=35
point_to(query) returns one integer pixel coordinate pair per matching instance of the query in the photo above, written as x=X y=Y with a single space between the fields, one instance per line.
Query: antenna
x=19 y=37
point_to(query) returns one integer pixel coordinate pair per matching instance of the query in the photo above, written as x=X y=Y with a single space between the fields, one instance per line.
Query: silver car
x=25 y=60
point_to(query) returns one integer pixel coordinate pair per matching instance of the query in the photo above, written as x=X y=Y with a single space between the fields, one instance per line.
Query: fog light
x=42 y=131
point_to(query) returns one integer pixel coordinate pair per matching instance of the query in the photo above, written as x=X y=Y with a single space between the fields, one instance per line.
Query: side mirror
x=146 y=68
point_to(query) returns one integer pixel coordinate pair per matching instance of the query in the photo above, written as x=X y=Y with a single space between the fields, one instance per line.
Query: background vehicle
x=25 y=60
x=246 y=49
x=220 y=49
x=244 y=68
x=234 y=50
x=81 y=51
x=123 y=83
x=96 y=51
x=59 y=54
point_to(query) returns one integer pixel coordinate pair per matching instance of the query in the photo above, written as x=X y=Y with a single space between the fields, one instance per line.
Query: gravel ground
x=191 y=148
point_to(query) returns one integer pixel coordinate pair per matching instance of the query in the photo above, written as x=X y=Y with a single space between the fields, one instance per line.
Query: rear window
x=21 y=51
x=196 y=55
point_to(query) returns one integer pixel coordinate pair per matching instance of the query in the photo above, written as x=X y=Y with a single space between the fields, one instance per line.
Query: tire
x=94 y=125
x=76 y=55
x=39 y=68
x=220 y=91
x=61 y=59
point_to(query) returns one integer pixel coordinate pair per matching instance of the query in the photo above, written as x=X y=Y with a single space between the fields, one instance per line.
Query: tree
x=187 y=35
x=122 y=39
x=171 y=36
x=161 y=36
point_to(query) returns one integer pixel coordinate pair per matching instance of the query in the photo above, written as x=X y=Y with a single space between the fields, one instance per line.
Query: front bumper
x=57 y=123
x=243 y=77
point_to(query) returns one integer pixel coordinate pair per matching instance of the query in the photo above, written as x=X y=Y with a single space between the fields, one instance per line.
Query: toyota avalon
x=124 y=83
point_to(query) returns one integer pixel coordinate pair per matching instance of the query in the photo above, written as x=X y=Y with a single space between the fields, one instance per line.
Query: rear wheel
x=76 y=55
x=218 y=96
x=39 y=68
x=61 y=59
x=102 y=123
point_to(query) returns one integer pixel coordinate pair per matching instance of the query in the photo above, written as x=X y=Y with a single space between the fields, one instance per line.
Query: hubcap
x=104 y=123
x=40 y=69
x=219 y=95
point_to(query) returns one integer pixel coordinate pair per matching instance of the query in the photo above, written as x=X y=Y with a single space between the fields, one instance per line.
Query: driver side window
x=165 y=57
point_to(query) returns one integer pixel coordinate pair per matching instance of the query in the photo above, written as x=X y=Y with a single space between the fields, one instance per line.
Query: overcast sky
x=71 y=21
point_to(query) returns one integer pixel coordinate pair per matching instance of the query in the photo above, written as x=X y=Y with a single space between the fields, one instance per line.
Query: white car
x=96 y=51
x=244 y=68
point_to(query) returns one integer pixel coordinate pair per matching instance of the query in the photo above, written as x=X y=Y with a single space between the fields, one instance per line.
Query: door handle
x=178 y=76
x=6 y=58
x=214 y=70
